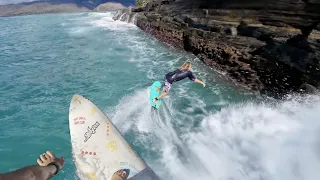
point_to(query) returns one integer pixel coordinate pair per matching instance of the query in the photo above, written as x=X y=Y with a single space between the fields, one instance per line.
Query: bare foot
x=120 y=175
x=48 y=157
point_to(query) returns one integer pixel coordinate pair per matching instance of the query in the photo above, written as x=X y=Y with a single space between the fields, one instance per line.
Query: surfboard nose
x=76 y=98
x=156 y=84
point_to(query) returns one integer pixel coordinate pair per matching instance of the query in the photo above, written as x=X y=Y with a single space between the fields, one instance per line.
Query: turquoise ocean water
x=219 y=132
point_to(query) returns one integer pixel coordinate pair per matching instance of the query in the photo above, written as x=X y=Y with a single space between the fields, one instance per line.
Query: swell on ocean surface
x=218 y=132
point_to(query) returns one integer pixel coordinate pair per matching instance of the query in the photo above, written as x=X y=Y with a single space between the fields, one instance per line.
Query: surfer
x=177 y=75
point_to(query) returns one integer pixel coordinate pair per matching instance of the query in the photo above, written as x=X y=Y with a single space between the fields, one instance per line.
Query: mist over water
x=219 y=132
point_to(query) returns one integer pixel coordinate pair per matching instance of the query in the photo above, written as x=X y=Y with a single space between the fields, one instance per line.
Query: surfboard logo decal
x=91 y=131
x=79 y=120
x=112 y=146
x=88 y=152
x=93 y=110
x=92 y=176
x=77 y=100
x=108 y=128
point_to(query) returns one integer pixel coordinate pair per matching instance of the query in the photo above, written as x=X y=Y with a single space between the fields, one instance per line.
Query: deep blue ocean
x=220 y=132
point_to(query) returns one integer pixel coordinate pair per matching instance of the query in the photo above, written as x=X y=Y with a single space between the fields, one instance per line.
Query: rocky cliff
x=269 y=46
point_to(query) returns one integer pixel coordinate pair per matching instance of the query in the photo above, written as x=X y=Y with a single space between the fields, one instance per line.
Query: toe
x=123 y=174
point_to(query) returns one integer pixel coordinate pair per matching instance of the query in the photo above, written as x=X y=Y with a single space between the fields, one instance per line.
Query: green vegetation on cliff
x=142 y=3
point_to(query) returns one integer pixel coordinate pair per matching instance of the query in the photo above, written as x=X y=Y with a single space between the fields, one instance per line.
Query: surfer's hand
x=48 y=157
x=204 y=85
x=155 y=101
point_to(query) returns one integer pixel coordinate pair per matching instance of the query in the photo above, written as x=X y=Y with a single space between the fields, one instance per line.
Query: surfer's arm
x=31 y=173
x=49 y=165
x=191 y=76
x=199 y=81
x=162 y=95
x=194 y=79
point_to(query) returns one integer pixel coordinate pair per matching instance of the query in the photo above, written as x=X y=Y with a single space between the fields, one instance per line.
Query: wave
x=267 y=141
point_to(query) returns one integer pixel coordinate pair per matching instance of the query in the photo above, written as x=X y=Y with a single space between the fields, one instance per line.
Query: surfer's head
x=186 y=66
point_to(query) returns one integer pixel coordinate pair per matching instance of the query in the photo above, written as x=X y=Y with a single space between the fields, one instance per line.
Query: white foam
x=244 y=142
x=101 y=14
x=253 y=141
x=110 y=24
x=80 y=31
x=101 y=20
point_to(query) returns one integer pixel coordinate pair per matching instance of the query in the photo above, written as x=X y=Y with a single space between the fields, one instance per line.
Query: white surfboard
x=98 y=148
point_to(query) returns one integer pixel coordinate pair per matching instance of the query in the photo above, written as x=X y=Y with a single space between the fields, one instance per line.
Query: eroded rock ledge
x=270 y=46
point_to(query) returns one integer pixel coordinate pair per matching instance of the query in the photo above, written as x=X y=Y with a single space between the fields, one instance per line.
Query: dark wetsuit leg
x=174 y=76
x=179 y=75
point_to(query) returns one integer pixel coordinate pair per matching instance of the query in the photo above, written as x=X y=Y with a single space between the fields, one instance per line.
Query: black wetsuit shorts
x=175 y=76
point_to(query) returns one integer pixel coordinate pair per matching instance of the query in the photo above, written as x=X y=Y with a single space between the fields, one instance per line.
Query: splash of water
x=267 y=141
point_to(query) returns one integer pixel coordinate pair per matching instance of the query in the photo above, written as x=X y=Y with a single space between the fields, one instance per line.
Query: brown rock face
x=270 y=46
